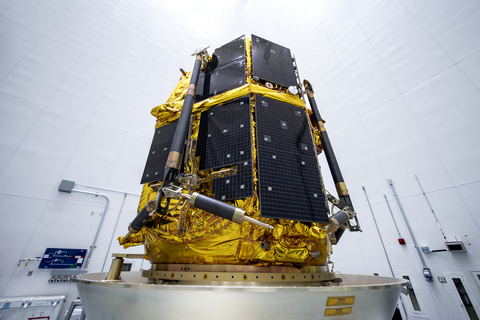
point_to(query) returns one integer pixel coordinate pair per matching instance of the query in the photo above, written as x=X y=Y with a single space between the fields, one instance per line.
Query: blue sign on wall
x=55 y=258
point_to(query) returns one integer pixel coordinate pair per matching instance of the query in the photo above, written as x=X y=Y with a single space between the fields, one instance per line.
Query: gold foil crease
x=210 y=239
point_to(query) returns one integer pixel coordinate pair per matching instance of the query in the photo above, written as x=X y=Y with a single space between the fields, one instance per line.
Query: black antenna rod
x=342 y=191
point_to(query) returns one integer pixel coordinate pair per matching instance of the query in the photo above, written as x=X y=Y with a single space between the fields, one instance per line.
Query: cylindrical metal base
x=357 y=297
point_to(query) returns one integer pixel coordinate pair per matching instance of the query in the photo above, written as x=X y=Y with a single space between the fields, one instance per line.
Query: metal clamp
x=172 y=192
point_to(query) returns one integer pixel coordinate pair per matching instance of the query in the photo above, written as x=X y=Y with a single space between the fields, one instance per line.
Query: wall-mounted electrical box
x=55 y=258
x=455 y=246
x=66 y=186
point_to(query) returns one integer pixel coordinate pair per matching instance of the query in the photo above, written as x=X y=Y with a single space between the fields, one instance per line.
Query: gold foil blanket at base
x=213 y=240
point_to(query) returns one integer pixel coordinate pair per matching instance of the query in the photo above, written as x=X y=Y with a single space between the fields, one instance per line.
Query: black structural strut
x=344 y=203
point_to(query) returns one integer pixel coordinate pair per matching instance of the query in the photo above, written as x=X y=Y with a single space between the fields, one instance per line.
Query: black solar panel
x=288 y=123
x=224 y=136
x=272 y=62
x=224 y=72
x=231 y=51
x=158 y=154
x=199 y=89
x=228 y=77
x=235 y=186
x=225 y=139
x=289 y=181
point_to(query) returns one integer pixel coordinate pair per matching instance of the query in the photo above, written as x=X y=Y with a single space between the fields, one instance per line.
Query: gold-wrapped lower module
x=210 y=239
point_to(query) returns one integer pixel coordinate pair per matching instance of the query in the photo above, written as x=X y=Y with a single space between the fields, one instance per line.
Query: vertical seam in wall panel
x=60 y=18
x=401 y=94
x=26 y=245
x=42 y=36
x=93 y=223
x=100 y=98
x=143 y=88
x=25 y=136
x=1 y=13
x=461 y=70
x=441 y=162
x=122 y=23
x=366 y=133
x=330 y=45
x=81 y=53
x=359 y=116
x=416 y=121
x=93 y=112
x=446 y=53
x=88 y=122
x=361 y=251
x=45 y=106
x=431 y=37
x=96 y=10
x=350 y=93
x=134 y=110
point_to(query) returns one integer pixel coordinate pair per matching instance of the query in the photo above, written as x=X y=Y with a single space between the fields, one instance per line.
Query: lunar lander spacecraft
x=234 y=215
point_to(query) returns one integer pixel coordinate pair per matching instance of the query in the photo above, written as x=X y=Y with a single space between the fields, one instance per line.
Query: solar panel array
x=224 y=72
x=289 y=185
x=158 y=154
x=225 y=139
x=272 y=62
x=289 y=181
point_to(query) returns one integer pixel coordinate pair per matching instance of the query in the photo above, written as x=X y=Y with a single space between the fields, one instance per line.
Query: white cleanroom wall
x=396 y=81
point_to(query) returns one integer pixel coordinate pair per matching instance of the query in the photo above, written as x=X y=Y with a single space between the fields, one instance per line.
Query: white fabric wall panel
x=334 y=100
x=74 y=22
x=104 y=7
x=372 y=15
x=138 y=57
x=471 y=67
x=397 y=82
x=119 y=100
x=408 y=52
x=446 y=108
x=58 y=222
x=39 y=74
x=453 y=25
x=110 y=42
x=96 y=153
x=83 y=87
x=14 y=132
x=399 y=142
x=126 y=173
x=36 y=167
x=469 y=195
x=369 y=83
x=20 y=41
x=40 y=15
x=344 y=33
x=324 y=59
x=16 y=239
x=366 y=171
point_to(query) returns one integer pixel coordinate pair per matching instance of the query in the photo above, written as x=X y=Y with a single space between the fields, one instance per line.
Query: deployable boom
x=345 y=203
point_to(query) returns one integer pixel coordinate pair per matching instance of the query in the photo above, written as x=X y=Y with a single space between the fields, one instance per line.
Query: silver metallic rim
x=252 y=287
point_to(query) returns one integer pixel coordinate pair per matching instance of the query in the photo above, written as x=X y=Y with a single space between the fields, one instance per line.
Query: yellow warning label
x=340 y=301
x=338 y=311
